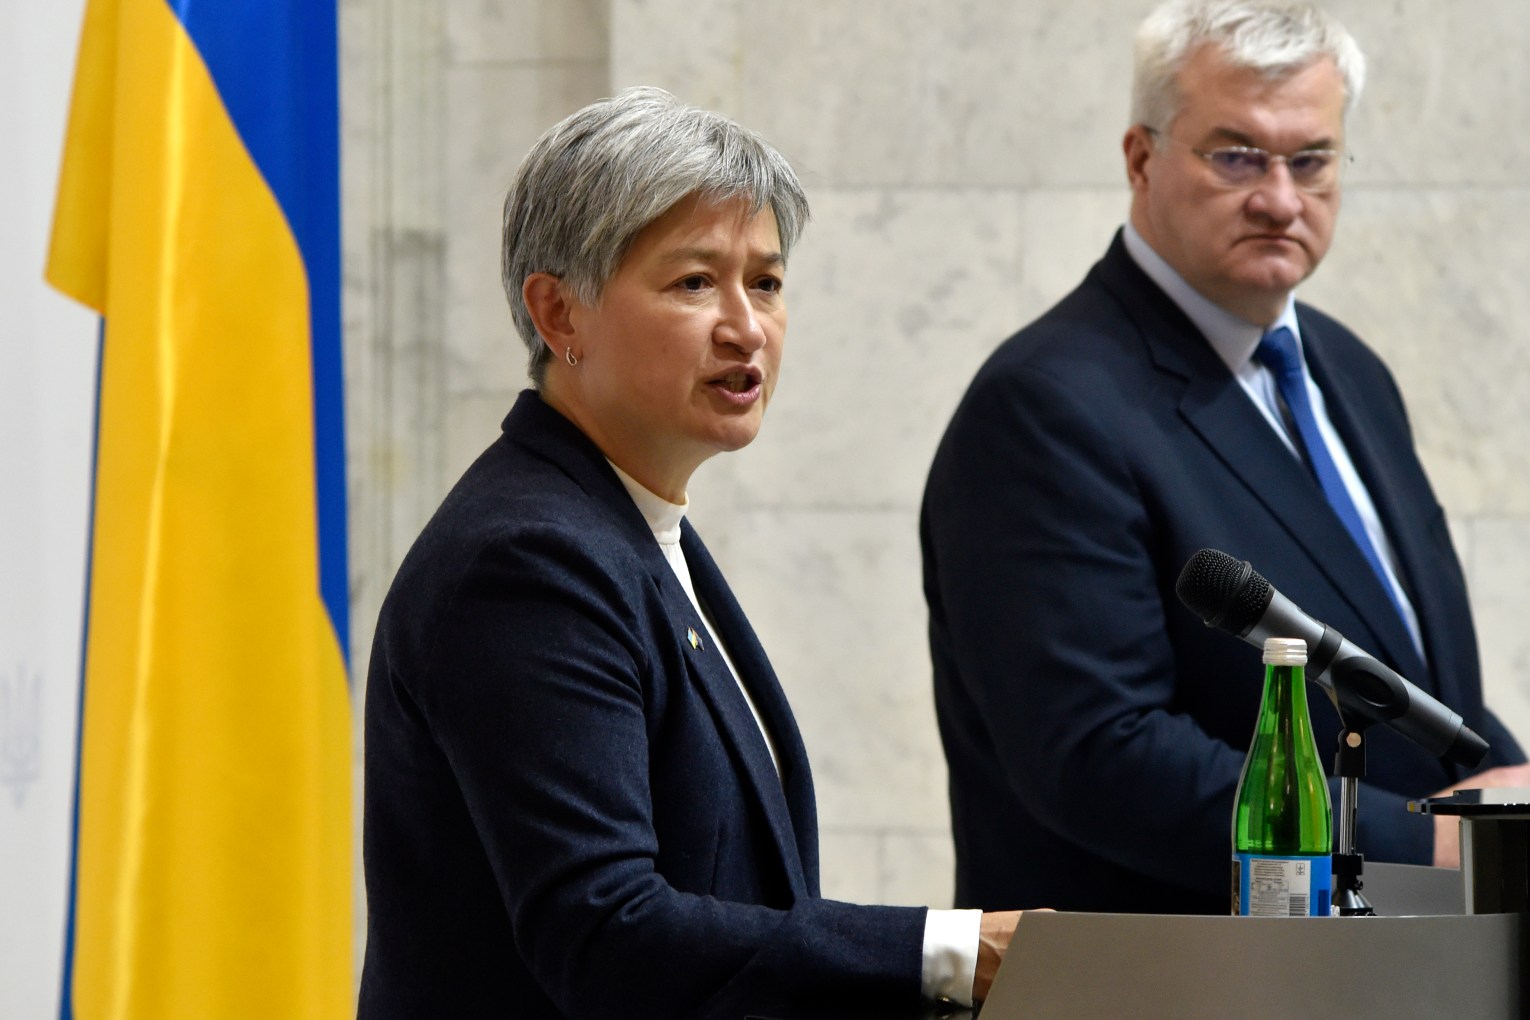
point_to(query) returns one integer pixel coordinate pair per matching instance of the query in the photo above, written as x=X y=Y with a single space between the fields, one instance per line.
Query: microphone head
x=1467 y=748
x=1226 y=593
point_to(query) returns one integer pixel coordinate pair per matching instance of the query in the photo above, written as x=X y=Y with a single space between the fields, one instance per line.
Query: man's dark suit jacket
x=569 y=809
x=1094 y=727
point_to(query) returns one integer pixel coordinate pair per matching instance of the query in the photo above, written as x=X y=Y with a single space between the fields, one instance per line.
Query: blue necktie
x=1277 y=352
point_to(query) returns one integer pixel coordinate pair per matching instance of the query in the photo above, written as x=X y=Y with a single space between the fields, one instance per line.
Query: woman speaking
x=585 y=793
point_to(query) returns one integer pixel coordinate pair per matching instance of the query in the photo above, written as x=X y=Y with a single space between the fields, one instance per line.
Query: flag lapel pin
x=693 y=638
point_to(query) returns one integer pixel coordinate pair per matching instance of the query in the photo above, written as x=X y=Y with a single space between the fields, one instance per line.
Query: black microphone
x=1228 y=594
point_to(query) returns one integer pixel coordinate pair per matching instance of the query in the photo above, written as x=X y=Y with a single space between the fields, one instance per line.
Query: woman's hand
x=997 y=929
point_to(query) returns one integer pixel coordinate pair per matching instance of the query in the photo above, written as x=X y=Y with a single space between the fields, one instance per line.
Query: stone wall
x=963 y=160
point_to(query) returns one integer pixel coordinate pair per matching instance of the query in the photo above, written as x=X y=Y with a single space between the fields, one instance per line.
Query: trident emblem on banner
x=20 y=730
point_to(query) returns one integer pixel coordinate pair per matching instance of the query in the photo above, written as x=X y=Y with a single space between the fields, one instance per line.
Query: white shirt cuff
x=950 y=954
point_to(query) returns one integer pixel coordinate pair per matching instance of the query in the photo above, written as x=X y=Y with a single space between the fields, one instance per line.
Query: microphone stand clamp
x=1349 y=766
x=1348 y=862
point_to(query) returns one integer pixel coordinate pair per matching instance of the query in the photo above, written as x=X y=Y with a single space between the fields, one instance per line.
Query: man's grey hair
x=1272 y=37
x=594 y=180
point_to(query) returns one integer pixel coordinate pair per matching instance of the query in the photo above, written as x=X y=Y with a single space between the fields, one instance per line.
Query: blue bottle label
x=1265 y=886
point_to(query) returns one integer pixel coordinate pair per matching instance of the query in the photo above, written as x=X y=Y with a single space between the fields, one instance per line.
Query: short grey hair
x=594 y=180
x=1273 y=37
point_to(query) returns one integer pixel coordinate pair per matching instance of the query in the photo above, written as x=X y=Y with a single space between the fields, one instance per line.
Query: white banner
x=48 y=349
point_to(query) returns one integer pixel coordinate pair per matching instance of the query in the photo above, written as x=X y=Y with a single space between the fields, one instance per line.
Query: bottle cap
x=1285 y=651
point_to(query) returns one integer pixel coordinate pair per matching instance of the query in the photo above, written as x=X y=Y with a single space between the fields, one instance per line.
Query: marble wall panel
x=835 y=598
x=698 y=58
x=851 y=863
x=886 y=865
x=1445 y=77
x=1064 y=231
x=1036 y=94
x=392 y=286
x=392 y=291
x=494 y=114
x=906 y=92
x=918 y=869
x=895 y=298
x=526 y=31
x=1500 y=572
x=1433 y=279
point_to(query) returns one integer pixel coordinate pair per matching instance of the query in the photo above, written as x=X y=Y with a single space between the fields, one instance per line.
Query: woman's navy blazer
x=569 y=810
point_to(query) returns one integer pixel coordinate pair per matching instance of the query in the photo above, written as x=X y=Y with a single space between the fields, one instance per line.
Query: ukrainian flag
x=198 y=212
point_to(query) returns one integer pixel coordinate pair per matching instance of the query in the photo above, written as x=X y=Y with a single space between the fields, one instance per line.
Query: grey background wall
x=963 y=161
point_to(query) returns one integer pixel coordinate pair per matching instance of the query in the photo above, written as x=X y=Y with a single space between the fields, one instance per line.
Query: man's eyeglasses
x=1242 y=166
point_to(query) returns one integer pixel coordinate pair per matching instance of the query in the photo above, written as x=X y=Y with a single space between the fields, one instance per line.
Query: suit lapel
x=550 y=435
x=788 y=796
x=1220 y=413
x=1396 y=504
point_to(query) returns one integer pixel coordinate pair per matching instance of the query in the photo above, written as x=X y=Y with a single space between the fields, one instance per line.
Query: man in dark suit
x=1181 y=399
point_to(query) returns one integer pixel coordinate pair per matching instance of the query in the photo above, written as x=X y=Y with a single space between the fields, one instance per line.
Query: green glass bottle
x=1283 y=818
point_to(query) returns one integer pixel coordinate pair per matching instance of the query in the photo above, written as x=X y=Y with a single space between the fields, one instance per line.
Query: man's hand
x=1447 y=828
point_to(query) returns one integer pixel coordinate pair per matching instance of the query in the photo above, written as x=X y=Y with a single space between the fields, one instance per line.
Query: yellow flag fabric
x=198 y=213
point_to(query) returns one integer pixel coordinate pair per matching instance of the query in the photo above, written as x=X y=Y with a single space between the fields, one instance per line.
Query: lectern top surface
x=1507 y=801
